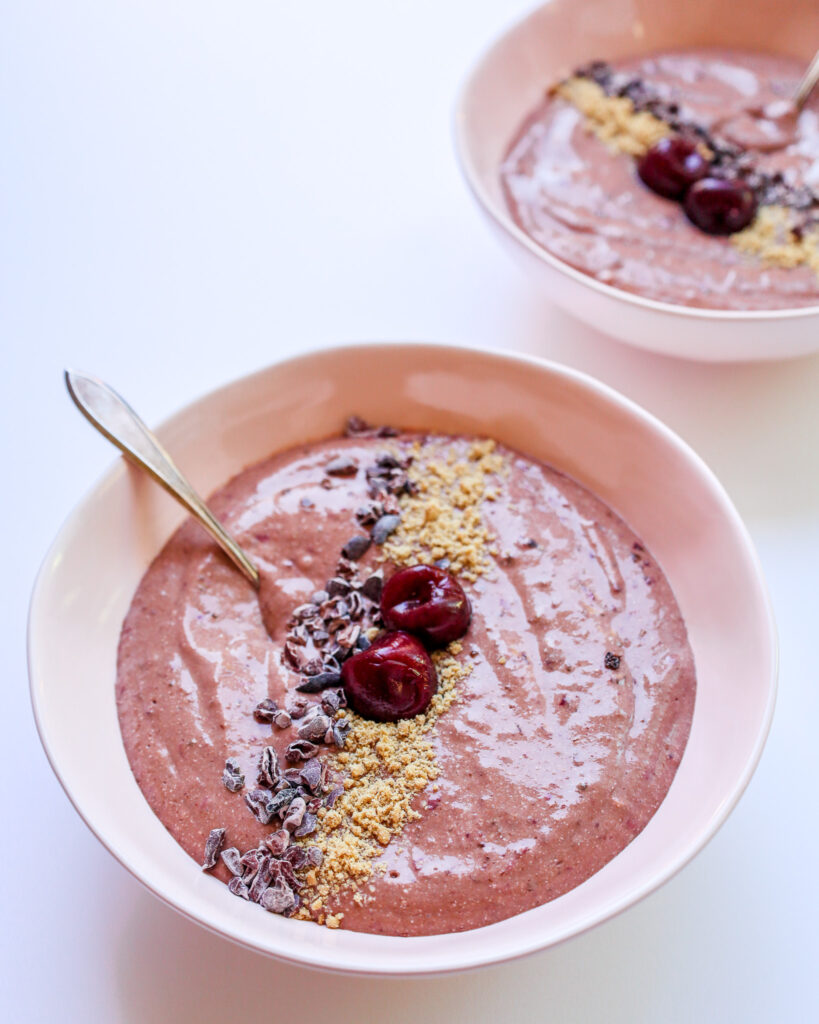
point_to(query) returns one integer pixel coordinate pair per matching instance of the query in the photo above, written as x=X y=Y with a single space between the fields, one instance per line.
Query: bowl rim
x=463 y=153
x=528 y=943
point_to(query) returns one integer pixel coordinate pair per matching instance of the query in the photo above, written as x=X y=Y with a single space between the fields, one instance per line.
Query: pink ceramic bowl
x=628 y=458
x=511 y=78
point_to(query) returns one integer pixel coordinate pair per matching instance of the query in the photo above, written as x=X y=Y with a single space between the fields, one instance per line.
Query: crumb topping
x=613 y=119
x=441 y=521
x=775 y=237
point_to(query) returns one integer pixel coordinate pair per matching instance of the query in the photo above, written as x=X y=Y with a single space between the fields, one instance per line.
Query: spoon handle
x=808 y=83
x=117 y=421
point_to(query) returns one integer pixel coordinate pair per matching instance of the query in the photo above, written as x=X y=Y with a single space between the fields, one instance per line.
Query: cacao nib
x=297 y=706
x=314 y=728
x=344 y=465
x=232 y=860
x=332 y=700
x=262 y=879
x=269 y=771
x=258 y=800
x=308 y=826
x=384 y=527
x=356 y=547
x=281 y=800
x=296 y=857
x=341 y=730
x=310 y=774
x=315 y=858
x=317 y=683
x=233 y=777
x=336 y=587
x=250 y=864
x=277 y=842
x=300 y=750
x=289 y=875
x=278 y=899
x=265 y=710
x=295 y=814
x=239 y=888
x=213 y=846
x=373 y=585
x=333 y=795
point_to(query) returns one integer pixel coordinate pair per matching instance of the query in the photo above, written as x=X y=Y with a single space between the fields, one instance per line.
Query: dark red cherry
x=427 y=602
x=394 y=678
x=671 y=166
x=720 y=206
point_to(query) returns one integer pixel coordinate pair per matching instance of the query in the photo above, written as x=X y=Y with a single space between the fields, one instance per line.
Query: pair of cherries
x=676 y=169
x=422 y=607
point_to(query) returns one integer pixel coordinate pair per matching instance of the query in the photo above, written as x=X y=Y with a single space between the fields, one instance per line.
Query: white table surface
x=190 y=190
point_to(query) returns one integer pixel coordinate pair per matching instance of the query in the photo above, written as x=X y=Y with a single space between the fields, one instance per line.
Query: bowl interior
x=642 y=470
x=559 y=36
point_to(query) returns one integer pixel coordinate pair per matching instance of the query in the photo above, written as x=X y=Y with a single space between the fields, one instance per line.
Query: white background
x=190 y=190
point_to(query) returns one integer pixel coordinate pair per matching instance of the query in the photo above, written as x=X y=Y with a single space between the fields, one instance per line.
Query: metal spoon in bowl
x=117 y=421
x=807 y=84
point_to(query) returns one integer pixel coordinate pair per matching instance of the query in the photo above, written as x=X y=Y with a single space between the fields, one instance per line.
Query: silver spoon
x=117 y=421
x=807 y=84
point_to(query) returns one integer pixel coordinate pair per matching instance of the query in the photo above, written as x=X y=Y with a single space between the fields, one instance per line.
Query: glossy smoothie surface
x=553 y=758
x=584 y=203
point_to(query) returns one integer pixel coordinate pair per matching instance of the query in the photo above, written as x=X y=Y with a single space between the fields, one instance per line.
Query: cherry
x=394 y=678
x=671 y=166
x=427 y=602
x=720 y=206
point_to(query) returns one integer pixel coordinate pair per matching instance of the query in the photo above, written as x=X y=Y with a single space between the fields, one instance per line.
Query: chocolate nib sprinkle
x=310 y=775
x=233 y=776
x=342 y=466
x=341 y=729
x=250 y=863
x=239 y=888
x=384 y=527
x=296 y=857
x=333 y=795
x=356 y=547
x=232 y=860
x=315 y=857
x=277 y=842
x=281 y=800
x=307 y=827
x=300 y=750
x=266 y=710
x=213 y=845
x=314 y=727
x=332 y=700
x=269 y=771
x=279 y=898
x=611 y=660
x=295 y=814
x=297 y=706
x=356 y=427
x=323 y=681
x=262 y=880
x=258 y=800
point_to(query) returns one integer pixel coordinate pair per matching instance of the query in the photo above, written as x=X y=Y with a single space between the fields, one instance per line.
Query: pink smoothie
x=552 y=759
x=584 y=203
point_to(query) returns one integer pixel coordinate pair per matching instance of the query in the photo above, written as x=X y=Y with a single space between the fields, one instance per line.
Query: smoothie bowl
x=649 y=167
x=597 y=670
